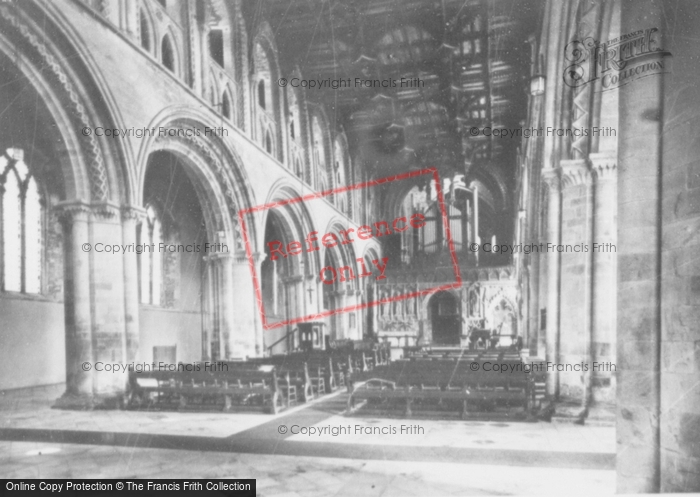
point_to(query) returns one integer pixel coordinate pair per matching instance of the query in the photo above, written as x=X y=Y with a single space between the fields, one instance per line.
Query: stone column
x=339 y=319
x=248 y=339
x=78 y=317
x=639 y=263
x=575 y=281
x=108 y=306
x=551 y=178
x=225 y=314
x=214 y=348
x=295 y=304
x=131 y=216
x=604 y=311
x=533 y=273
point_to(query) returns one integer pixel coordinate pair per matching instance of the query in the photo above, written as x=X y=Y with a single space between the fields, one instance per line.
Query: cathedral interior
x=341 y=203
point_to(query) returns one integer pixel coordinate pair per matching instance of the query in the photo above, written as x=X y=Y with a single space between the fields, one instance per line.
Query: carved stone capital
x=72 y=211
x=219 y=257
x=105 y=210
x=240 y=257
x=604 y=166
x=575 y=173
x=552 y=180
x=132 y=213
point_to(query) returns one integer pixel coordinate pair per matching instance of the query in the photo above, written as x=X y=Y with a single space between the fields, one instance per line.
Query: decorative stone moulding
x=552 y=180
x=99 y=184
x=575 y=172
x=604 y=165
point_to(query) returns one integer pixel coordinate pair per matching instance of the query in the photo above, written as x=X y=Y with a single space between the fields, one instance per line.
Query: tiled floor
x=442 y=458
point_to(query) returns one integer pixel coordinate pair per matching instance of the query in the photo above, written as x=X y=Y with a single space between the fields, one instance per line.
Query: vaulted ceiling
x=472 y=56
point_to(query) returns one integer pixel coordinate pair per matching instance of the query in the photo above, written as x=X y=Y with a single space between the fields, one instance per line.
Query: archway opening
x=277 y=286
x=445 y=318
x=176 y=306
x=35 y=174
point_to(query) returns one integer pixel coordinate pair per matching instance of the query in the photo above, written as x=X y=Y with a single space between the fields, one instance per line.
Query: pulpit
x=311 y=335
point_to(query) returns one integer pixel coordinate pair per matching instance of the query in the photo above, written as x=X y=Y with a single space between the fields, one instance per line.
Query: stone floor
x=366 y=456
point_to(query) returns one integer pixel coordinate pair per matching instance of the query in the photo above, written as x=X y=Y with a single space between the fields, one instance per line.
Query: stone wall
x=659 y=217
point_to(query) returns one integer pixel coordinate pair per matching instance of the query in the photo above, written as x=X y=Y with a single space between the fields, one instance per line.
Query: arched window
x=167 y=53
x=22 y=226
x=216 y=46
x=268 y=142
x=226 y=106
x=319 y=153
x=261 y=93
x=298 y=169
x=150 y=262
x=145 y=31
x=294 y=127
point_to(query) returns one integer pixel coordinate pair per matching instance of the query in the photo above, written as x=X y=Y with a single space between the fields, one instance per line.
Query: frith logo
x=615 y=62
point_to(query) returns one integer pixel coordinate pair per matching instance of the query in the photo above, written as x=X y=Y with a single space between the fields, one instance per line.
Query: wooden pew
x=440 y=382
x=331 y=368
x=233 y=390
x=309 y=375
x=297 y=374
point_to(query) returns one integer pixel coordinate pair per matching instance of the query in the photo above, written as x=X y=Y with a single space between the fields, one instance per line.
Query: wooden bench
x=309 y=380
x=227 y=391
x=292 y=384
x=443 y=384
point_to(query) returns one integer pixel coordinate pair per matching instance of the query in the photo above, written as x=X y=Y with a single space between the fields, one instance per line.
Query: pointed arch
x=167 y=53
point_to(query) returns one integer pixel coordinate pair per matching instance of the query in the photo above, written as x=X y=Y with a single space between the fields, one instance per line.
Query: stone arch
x=342 y=172
x=74 y=102
x=169 y=53
x=495 y=298
x=265 y=67
x=218 y=165
x=299 y=216
x=319 y=126
x=227 y=104
x=427 y=333
x=228 y=18
x=146 y=30
x=303 y=134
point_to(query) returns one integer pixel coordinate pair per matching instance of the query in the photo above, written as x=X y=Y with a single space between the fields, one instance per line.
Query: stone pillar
x=130 y=19
x=295 y=304
x=78 y=317
x=339 y=319
x=551 y=179
x=575 y=281
x=95 y=310
x=639 y=267
x=108 y=319
x=533 y=281
x=130 y=219
x=213 y=349
x=248 y=339
x=225 y=314
x=604 y=168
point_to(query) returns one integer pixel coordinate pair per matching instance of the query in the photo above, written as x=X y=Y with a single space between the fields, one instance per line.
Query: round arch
x=95 y=169
x=452 y=322
x=298 y=216
x=216 y=163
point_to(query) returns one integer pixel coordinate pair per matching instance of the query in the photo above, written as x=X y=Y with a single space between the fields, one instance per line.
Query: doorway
x=445 y=319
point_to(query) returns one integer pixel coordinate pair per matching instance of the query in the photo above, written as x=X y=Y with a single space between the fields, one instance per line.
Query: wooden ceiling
x=472 y=56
